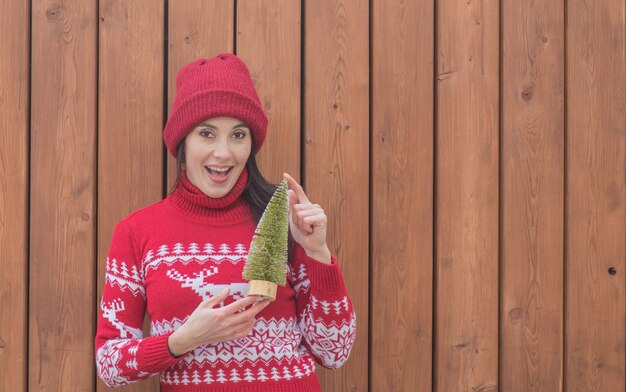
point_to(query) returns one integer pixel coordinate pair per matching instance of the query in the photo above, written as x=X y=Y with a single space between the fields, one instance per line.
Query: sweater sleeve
x=123 y=355
x=326 y=317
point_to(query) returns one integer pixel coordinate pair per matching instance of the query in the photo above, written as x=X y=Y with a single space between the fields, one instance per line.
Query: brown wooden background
x=471 y=156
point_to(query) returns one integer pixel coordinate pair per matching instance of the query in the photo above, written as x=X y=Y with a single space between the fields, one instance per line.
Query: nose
x=222 y=149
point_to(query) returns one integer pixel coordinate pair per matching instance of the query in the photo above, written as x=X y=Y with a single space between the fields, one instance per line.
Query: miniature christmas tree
x=266 y=264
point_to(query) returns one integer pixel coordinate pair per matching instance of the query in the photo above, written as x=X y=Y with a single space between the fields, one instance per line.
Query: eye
x=205 y=133
x=240 y=134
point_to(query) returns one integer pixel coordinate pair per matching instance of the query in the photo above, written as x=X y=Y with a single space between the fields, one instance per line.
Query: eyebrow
x=240 y=125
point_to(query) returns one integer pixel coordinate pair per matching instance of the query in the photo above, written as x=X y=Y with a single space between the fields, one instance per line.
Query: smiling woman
x=216 y=152
x=181 y=260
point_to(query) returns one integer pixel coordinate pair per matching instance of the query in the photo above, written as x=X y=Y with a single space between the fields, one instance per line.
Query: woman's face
x=216 y=151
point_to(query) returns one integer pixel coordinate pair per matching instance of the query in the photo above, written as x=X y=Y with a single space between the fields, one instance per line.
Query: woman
x=181 y=260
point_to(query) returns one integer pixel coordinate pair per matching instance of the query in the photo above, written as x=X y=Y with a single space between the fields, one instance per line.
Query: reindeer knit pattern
x=167 y=258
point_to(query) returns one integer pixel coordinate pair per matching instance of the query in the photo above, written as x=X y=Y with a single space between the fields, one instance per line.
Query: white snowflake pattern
x=331 y=343
x=108 y=361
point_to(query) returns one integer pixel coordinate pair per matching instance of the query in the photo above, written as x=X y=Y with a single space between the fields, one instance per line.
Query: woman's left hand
x=307 y=222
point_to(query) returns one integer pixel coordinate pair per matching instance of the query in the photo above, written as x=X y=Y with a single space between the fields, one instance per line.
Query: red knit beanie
x=217 y=87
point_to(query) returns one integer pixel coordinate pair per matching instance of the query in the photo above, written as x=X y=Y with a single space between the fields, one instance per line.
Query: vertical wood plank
x=596 y=219
x=466 y=356
x=268 y=40
x=402 y=196
x=336 y=154
x=62 y=199
x=196 y=29
x=14 y=114
x=130 y=148
x=532 y=196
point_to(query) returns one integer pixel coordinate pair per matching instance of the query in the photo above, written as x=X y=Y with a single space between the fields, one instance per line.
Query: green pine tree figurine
x=266 y=264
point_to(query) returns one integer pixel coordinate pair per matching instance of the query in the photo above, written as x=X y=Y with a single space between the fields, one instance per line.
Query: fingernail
x=224 y=291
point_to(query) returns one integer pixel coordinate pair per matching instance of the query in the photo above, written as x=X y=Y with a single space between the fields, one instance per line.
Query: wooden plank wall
x=335 y=161
x=532 y=200
x=62 y=194
x=470 y=155
x=130 y=120
x=401 y=205
x=14 y=162
x=466 y=197
x=595 y=211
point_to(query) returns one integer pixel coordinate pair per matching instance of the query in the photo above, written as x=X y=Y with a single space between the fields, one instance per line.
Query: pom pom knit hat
x=217 y=87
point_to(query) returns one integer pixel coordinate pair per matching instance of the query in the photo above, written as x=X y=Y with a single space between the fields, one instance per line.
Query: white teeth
x=218 y=171
x=222 y=170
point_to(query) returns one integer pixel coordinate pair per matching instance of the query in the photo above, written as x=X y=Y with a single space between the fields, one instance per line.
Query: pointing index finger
x=293 y=184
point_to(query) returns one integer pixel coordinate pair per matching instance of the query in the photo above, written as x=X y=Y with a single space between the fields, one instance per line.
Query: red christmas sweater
x=167 y=258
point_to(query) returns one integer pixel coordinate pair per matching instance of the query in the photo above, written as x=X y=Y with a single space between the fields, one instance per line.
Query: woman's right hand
x=209 y=325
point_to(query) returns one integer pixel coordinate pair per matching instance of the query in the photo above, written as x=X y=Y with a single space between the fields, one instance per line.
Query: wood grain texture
x=62 y=198
x=98 y=69
x=130 y=148
x=196 y=29
x=467 y=195
x=268 y=40
x=14 y=114
x=402 y=167
x=336 y=155
x=596 y=158
x=533 y=142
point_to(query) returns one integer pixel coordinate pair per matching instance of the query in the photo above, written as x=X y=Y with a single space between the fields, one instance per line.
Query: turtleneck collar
x=194 y=204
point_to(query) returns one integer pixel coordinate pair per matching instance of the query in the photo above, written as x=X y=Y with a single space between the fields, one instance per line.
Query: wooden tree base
x=263 y=288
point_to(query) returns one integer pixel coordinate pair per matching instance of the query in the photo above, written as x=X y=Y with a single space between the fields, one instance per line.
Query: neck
x=196 y=205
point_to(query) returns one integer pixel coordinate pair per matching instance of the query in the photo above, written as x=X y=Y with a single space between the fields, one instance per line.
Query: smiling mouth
x=219 y=172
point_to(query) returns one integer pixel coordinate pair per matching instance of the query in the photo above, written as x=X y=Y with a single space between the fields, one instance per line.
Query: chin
x=218 y=193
